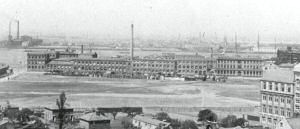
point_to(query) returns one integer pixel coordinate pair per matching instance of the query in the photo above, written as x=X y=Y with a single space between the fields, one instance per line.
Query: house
x=289 y=123
x=144 y=122
x=51 y=114
x=94 y=121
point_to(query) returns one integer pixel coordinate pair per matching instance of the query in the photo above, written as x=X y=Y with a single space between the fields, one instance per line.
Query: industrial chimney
x=18 y=29
x=9 y=31
x=132 y=43
x=81 y=49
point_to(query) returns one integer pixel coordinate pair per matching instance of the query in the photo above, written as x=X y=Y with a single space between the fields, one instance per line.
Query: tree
x=229 y=121
x=207 y=114
x=240 y=122
x=188 y=124
x=61 y=106
x=175 y=123
x=24 y=114
x=163 y=116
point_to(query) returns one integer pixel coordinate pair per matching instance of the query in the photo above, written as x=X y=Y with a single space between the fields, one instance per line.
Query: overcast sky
x=152 y=18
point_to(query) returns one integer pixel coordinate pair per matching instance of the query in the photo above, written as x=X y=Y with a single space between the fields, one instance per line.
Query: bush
x=188 y=124
x=207 y=114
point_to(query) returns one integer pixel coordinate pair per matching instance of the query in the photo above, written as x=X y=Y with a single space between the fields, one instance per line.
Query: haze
x=155 y=18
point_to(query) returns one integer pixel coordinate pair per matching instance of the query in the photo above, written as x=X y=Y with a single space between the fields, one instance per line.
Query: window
x=282 y=88
x=264 y=97
x=270 y=85
x=270 y=109
x=264 y=85
x=282 y=100
x=289 y=89
x=270 y=98
x=276 y=86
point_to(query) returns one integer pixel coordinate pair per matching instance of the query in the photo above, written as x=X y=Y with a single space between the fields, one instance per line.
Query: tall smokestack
x=132 y=43
x=236 y=47
x=81 y=49
x=9 y=31
x=258 y=47
x=18 y=29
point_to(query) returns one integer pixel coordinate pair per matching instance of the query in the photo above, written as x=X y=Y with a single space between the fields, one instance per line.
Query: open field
x=36 y=89
x=29 y=89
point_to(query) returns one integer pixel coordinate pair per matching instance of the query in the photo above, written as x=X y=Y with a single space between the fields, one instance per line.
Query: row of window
x=277 y=111
x=239 y=61
x=280 y=87
x=37 y=57
x=276 y=99
x=192 y=67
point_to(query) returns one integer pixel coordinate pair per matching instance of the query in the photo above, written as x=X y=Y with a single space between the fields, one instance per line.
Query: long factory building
x=167 y=64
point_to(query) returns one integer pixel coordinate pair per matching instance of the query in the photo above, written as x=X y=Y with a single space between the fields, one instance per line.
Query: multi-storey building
x=297 y=89
x=154 y=66
x=287 y=56
x=277 y=95
x=239 y=66
x=193 y=64
x=89 y=66
x=36 y=61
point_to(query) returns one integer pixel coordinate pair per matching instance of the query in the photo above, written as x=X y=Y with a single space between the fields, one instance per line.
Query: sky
x=272 y=19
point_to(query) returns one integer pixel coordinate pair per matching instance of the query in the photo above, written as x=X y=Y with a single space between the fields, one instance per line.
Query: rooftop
x=294 y=122
x=279 y=75
x=93 y=117
x=150 y=120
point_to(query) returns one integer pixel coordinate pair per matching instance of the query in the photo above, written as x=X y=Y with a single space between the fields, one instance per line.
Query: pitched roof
x=150 y=120
x=294 y=123
x=279 y=75
x=93 y=117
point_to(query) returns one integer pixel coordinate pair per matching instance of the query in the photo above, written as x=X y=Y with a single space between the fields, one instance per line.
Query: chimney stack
x=18 y=29
x=81 y=49
x=258 y=47
x=132 y=43
x=9 y=31
x=236 y=47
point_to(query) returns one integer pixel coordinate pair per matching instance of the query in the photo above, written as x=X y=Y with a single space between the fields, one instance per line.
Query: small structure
x=144 y=122
x=51 y=114
x=94 y=121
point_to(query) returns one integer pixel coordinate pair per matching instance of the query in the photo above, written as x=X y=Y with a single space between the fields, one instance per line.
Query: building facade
x=297 y=89
x=194 y=65
x=147 y=67
x=277 y=95
x=287 y=56
x=239 y=66
x=37 y=61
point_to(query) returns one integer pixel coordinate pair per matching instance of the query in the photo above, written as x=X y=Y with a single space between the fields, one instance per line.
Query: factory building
x=148 y=67
x=89 y=66
x=239 y=66
x=37 y=61
x=193 y=65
